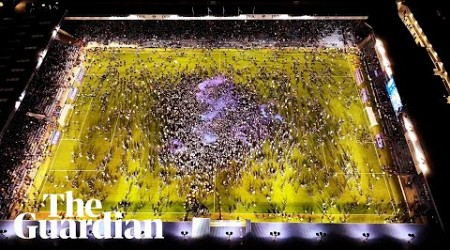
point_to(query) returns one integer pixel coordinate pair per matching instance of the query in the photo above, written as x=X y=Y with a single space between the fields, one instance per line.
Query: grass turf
x=364 y=194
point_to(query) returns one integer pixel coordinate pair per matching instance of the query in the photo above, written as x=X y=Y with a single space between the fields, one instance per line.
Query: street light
x=366 y=236
x=411 y=236
x=184 y=233
x=275 y=234
x=2 y=232
x=229 y=234
x=321 y=235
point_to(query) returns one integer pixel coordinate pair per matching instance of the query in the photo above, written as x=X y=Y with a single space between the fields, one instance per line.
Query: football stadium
x=267 y=133
x=218 y=121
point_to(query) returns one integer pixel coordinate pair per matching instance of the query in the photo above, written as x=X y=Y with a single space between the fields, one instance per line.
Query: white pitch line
x=366 y=119
x=342 y=173
x=324 y=157
x=85 y=118
x=115 y=128
x=376 y=150
x=252 y=213
x=51 y=166
x=389 y=192
x=75 y=170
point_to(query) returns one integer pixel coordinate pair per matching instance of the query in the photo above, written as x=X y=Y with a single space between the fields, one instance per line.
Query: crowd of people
x=394 y=136
x=391 y=125
x=212 y=33
x=207 y=121
x=21 y=147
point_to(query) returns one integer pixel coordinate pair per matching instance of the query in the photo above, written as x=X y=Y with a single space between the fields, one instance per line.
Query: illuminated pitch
x=259 y=134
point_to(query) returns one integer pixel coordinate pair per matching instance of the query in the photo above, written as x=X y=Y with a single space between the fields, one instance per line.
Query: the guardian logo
x=110 y=226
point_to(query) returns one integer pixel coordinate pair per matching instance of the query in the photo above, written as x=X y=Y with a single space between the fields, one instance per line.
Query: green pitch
x=109 y=146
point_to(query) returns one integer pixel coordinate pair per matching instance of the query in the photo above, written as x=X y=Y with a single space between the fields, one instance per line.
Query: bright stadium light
x=385 y=63
x=415 y=147
x=40 y=58
x=57 y=28
x=320 y=235
x=184 y=233
x=366 y=236
x=229 y=234
x=275 y=234
x=39 y=62
x=2 y=231
x=19 y=101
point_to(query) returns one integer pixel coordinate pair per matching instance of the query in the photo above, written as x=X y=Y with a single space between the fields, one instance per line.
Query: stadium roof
x=184 y=7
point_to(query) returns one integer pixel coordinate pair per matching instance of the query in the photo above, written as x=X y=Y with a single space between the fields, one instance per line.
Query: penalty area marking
x=372 y=136
x=57 y=149
x=389 y=192
x=85 y=118
x=51 y=166
x=70 y=139
x=75 y=170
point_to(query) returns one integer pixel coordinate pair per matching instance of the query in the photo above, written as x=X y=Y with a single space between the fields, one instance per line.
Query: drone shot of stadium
x=223 y=124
